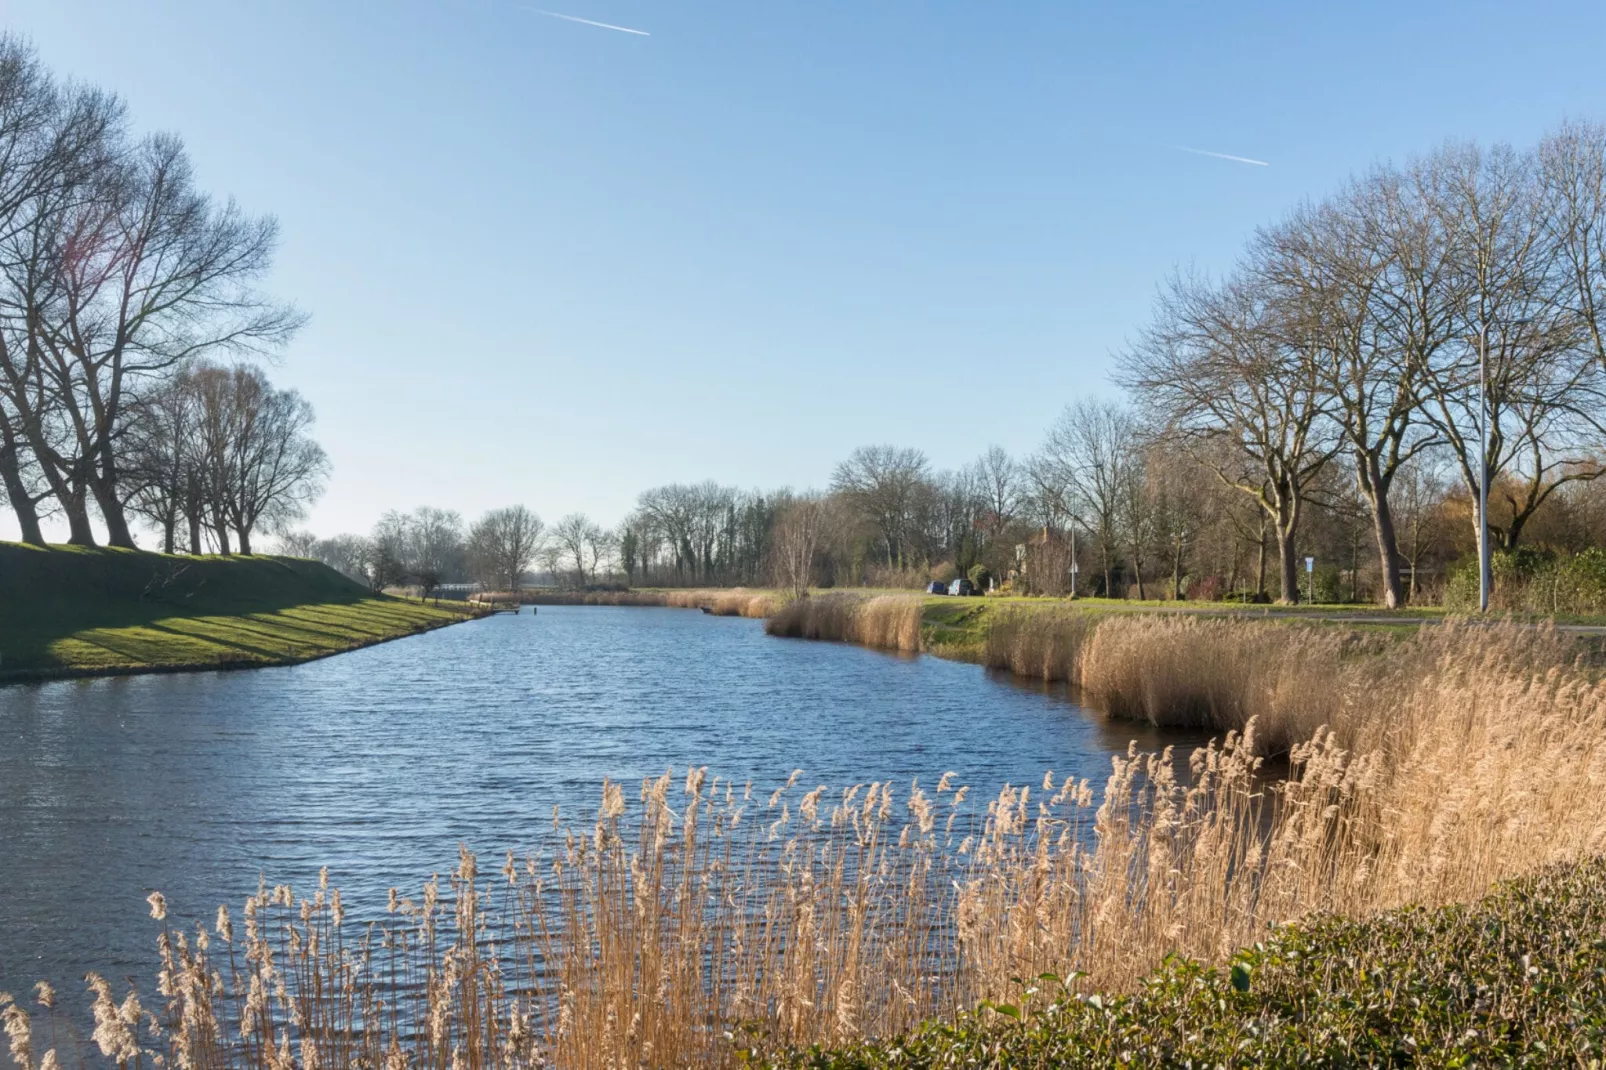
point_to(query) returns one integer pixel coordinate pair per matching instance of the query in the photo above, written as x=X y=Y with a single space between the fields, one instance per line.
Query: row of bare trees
x=1380 y=328
x=117 y=276
x=1327 y=400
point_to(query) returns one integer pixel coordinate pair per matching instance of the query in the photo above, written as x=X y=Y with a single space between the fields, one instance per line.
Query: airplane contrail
x=1220 y=155
x=588 y=22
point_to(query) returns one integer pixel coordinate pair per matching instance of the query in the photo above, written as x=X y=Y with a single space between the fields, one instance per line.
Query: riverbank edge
x=49 y=675
x=957 y=629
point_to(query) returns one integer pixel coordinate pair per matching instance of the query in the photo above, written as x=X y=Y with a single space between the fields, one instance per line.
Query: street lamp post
x=1073 y=557
x=1483 y=467
x=1485 y=574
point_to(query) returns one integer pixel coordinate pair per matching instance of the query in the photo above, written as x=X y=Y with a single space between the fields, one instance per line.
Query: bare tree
x=54 y=142
x=434 y=546
x=145 y=273
x=882 y=483
x=671 y=514
x=162 y=464
x=600 y=546
x=503 y=543
x=1524 y=356
x=997 y=478
x=297 y=544
x=1216 y=371
x=550 y=553
x=1084 y=469
x=575 y=533
x=1572 y=166
x=272 y=468
x=799 y=532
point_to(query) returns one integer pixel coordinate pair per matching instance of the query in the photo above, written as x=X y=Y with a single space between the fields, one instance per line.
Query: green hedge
x=1518 y=979
x=1534 y=581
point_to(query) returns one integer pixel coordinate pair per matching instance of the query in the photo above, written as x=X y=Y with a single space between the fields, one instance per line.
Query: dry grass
x=886 y=622
x=721 y=602
x=1039 y=643
x=696 y=907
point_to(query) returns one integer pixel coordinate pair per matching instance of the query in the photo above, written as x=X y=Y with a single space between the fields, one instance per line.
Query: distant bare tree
x=883 y=484
x=1084 y=469
x=576 y=533
x=272 y=468
x=350 y=555
x=550 y=554
x=161 y=465
x=600 y=546
x=297 y=544
x=434 y=546
x=799 y=532
x=1540 y=383
x=1216 y=371
x=1572 y=174
x=997 y=478
x=503 y=543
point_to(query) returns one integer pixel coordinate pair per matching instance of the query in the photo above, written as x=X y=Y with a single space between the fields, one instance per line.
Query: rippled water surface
x=379 y=762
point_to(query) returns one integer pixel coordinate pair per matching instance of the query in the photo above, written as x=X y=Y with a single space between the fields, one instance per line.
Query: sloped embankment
x=72 y=611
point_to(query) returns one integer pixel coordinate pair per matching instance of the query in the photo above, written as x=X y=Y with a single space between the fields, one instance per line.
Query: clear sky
x=555 y=263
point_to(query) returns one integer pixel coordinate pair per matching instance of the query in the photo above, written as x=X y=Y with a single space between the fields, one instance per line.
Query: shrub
x=1532 y=581
x=1517 y=979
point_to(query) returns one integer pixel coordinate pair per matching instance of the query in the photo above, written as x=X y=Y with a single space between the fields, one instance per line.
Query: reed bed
x=693 y=917
x=721 y=602
x=886 y=622
x=1044 y=644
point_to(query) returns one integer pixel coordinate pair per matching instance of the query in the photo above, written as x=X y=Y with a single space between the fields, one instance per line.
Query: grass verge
x=72 y=611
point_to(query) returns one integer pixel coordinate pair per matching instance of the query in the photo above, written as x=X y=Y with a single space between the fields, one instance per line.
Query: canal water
x=378 y=763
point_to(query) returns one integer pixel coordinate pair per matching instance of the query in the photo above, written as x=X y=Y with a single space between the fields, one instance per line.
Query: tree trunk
x=111 y=511
x=75 y=505
x=245 y=540
x=194 y=517
x=1288 y=563
x=1375 y=490
x=168 y=528
x=1176 y=574
x=22 y=503
x=1260 y=560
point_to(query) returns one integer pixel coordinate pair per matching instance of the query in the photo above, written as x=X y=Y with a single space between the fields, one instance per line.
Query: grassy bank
x=67 y=611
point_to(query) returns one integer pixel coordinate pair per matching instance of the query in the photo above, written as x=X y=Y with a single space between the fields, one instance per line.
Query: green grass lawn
x=68 y=611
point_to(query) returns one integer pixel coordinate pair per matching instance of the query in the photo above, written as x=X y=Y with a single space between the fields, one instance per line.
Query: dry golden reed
x=720 y=601
x=693 y=909
x=886 y=621
x=1044 y=644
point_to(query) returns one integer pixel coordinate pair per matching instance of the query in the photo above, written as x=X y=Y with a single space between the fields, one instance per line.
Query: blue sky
x=554 y=263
